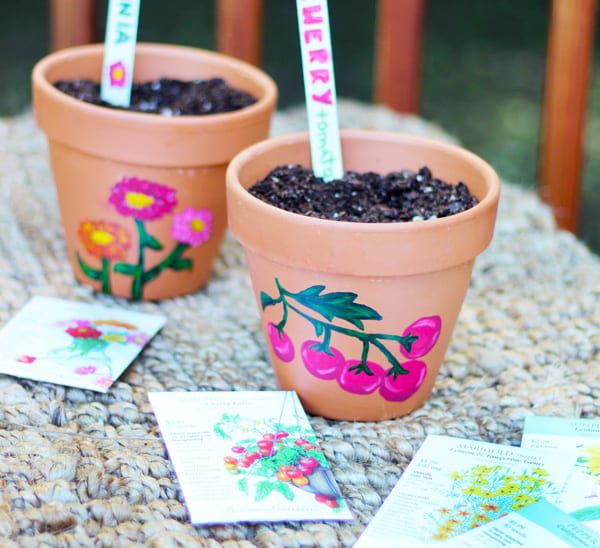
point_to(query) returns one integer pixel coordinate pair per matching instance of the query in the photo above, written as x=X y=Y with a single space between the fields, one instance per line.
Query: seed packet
x=540 y=524
x=581 y=495
x=73 y=343
x=454 y=485
x=247 y=457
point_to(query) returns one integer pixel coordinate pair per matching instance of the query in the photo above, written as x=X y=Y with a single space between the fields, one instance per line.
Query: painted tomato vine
x=396 y=381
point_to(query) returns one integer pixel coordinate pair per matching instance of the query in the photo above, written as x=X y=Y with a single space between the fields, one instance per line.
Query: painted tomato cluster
x=396 y=381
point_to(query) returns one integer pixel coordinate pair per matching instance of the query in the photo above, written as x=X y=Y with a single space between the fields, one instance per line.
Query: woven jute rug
x=83 y=469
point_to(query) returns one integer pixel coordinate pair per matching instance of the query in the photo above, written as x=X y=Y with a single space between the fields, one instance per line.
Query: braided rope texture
x=84 y=469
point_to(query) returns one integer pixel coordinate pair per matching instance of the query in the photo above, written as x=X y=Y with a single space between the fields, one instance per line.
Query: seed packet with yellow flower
x=454 y=485
x=581 y=496
x=539 y=525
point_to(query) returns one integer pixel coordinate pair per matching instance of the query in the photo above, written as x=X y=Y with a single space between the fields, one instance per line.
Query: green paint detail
x=587 y=514
x=337 y=304
x=89 y=272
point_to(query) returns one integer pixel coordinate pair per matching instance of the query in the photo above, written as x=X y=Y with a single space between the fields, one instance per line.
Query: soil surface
x=168 y=97
x=364 y=197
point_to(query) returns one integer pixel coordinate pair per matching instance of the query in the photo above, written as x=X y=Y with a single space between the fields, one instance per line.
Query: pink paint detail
x=281 y=343
x=310 y=15
x=316 y=34
x=162 y=198
x=360 y=383
x=319 y=363
x=427 y=329
x=404 y=386
x=117 y=73
x=183 y=225
x=24 y=358
x=318 y=56
x=324 y=98
x=319 y=75
x=85 y=370
x=104 y=382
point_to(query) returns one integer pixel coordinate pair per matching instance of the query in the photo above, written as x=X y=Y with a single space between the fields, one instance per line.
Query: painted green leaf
x=338 y=304
x=127 y=269
x=285 y=490
x=243 y=485
x=182 y=264
x=151 y=242
x=266 y=300
x=220 y=432
x=90 y=272
x=587 y=514
x=263 y=490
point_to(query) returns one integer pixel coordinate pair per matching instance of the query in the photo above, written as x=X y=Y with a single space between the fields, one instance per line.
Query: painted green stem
x=168 y=262
x=137 y=285
x=366 y=338
x=106 y=276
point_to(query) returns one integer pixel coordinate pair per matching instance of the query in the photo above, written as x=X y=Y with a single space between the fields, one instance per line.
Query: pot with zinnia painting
x=142 y=195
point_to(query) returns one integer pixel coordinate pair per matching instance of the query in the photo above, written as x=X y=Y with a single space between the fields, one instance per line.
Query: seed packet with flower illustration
x=454 y=485
x=539 y=525
x=581 y=496
x=247 y=457
x=73 y=343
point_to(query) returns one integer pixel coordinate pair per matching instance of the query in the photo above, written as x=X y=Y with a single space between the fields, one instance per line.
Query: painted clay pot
x=377 y=301
x=142 y=196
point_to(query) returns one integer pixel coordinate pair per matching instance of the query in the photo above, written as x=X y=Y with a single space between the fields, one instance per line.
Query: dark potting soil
x=168 y=97
x=364 y=197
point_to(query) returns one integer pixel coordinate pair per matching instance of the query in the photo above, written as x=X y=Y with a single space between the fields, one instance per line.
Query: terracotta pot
x=142 y=196
x=341 y=300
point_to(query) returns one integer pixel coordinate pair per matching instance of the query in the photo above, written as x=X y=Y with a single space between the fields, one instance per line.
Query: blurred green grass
x=483 y=70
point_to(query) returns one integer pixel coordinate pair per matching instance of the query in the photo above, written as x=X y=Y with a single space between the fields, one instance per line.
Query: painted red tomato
x=427 y=330
x=281 y=343
x=404 y=386
x=360 y=382
x=321 y=364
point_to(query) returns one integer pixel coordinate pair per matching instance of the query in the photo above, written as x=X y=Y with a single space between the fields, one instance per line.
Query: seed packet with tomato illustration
x=247 y=457
x=540 y=524
x=454 y=485
x=72 y=343
x=581 y=496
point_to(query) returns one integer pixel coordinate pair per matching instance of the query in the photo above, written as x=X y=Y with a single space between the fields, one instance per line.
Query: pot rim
x=269 y=95
x=360 y=249
x=234 y=185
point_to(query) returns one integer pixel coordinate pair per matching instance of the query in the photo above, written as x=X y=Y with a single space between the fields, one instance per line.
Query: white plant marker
x=319 y=89
x=119 y=51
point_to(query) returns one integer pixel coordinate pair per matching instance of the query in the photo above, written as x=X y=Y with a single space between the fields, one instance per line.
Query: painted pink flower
x=117 y=74
x=192 y=226
x=85 y=370
x=144 y=200
x=138 y=338
x=104 y=382
x=24 y=358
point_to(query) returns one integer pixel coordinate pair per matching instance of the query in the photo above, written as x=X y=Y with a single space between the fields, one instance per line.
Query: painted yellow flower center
x=197 y=225
x=113 y=337
x=102 y=237
x=137 y=200
x=118 y=73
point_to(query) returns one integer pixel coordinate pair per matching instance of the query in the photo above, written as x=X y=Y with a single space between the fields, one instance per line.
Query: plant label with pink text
x=455 y=485
x=247 y=457
x=119 y=51
x=319 y=88
x=72 y=343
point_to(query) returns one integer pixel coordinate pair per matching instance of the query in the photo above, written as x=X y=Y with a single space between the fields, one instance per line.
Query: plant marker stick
x=319 y=88
x=119 y=51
